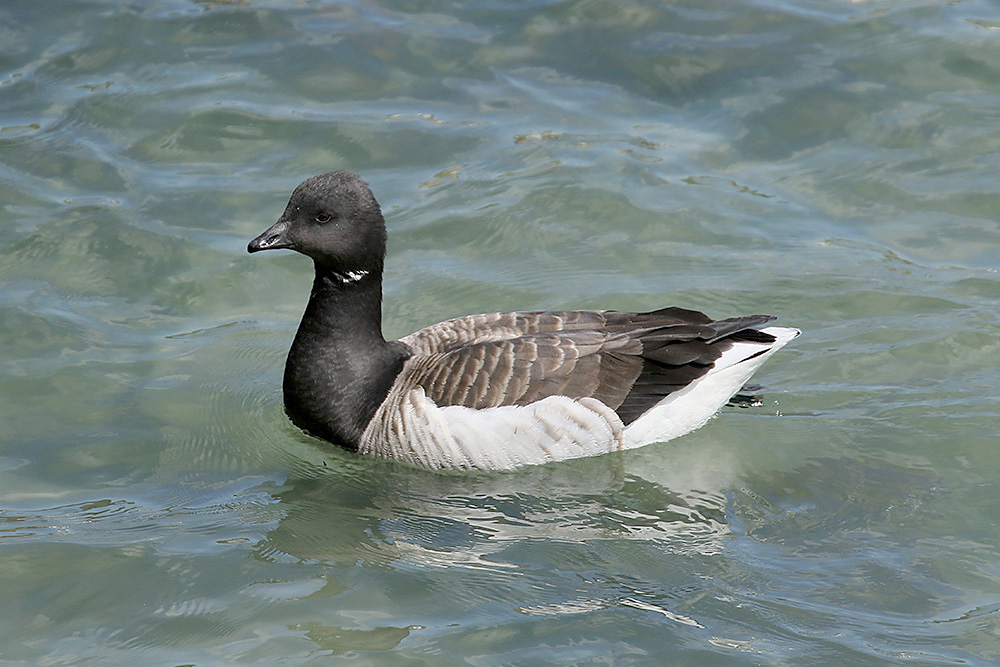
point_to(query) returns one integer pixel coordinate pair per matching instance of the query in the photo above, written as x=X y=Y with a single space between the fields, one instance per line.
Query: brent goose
x=491 y=391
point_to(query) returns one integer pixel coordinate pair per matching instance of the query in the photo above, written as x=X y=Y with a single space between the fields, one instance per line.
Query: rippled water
x=834 y=163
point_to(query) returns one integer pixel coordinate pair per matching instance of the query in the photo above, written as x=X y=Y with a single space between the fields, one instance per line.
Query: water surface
x=833 y=163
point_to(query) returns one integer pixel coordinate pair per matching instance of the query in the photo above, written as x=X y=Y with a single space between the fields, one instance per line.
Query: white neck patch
x=346 y=278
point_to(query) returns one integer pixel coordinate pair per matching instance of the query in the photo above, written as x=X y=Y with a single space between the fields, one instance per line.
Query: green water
x=833 y=163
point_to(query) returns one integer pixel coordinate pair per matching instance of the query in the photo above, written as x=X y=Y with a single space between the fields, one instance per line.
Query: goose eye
x=323 y=217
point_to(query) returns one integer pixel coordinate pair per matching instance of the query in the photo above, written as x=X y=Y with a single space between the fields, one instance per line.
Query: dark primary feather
x=629 y=361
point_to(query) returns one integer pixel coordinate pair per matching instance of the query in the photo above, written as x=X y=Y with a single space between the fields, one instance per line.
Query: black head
x=334 y=219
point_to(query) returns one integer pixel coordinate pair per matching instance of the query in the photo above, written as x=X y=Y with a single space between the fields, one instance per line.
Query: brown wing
x=485 y=327
x=628 y=361
x=523 y=370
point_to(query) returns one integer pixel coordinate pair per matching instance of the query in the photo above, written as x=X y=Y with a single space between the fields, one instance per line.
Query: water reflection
x=590 y=537
x=423 y=517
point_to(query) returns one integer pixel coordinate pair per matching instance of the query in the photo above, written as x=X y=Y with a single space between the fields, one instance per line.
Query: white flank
x=553 y=429
x=411 y=427
x=685 y=410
